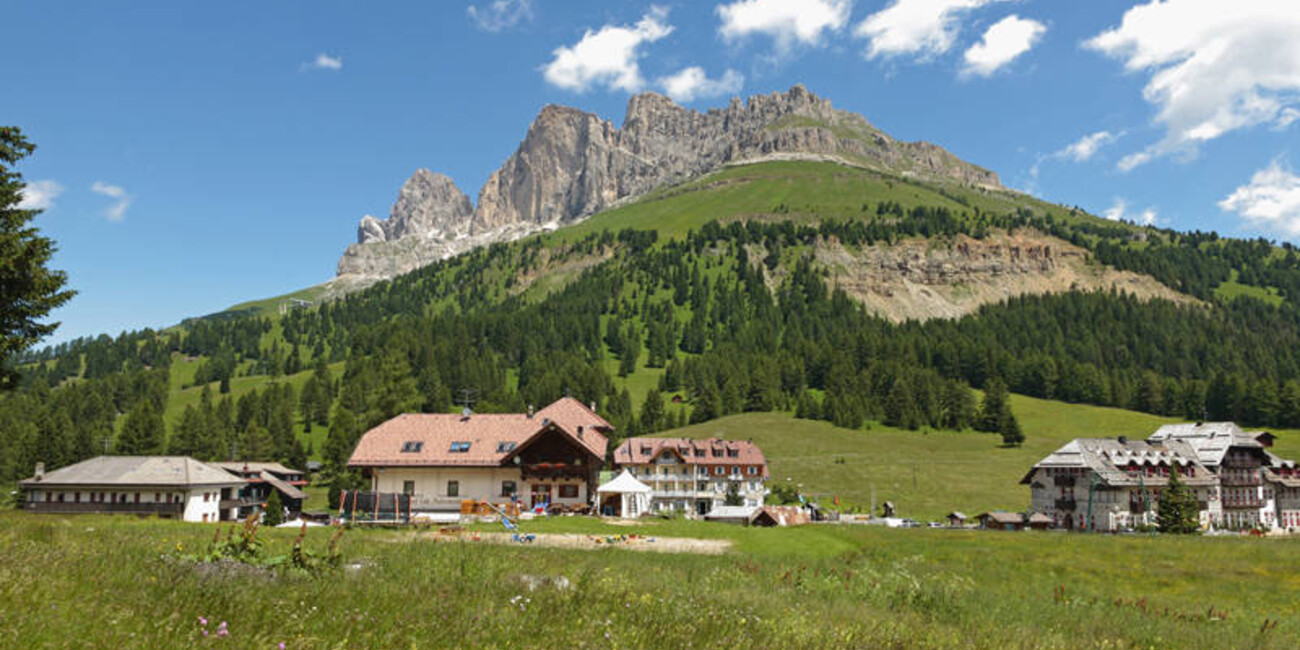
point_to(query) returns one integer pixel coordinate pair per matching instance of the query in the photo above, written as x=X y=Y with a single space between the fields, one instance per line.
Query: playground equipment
x=512 y=526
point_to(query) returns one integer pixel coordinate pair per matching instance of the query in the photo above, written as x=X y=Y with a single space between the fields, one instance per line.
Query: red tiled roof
x=382 y=445
x=639 y=451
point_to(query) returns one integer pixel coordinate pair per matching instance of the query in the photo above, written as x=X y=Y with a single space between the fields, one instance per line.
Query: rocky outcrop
x=923 y=279
x=572 y=164
x=429 y=205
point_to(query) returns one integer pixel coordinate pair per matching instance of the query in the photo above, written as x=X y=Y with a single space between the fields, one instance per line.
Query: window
x=412 y=446
x=508 y=488
x=717 y=471
x=453 y=487
x=733 y=453
x=568 y=491
x=699 y=453
x=506 y=447
x=459 y=447
x=76 y=497
x=753 y=470
x=205 y=497
x=408 y=487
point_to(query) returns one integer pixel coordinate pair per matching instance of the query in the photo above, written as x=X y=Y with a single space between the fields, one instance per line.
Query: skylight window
x=412 y=446
x=459 y=447
x=505 y=447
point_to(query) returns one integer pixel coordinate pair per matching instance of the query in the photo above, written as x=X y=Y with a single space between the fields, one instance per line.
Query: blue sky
x=195 y=155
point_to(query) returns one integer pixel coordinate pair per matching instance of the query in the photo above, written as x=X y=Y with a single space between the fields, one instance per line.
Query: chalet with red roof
x=695 y=475
x=552 y=456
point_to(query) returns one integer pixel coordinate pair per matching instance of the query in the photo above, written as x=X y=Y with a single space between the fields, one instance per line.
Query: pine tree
x=1178 y=512
x=341 y=440
x=143 y=431
x=274 y=514
x=992 y=408
x=652 y=412
x=28 y=290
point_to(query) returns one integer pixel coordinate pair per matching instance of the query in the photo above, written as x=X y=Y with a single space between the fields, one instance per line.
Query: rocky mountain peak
x=572 y=164
x=429 y=204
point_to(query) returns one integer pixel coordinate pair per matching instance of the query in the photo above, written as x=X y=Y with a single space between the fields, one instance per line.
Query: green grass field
x=927 y=474
x=101 y=582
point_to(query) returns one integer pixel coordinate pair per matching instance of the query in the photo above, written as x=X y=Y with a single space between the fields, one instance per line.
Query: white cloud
x=1002 y=43
x=323 y=61
x=691 y=83
x=919 y=28
x=39 y=195
x=500 y=15
x=1271 y=200
x=1086 y=147
x=1213 y=68
x=607 y=57
x=122 y=200
x=787 y=21
x=1119 y=212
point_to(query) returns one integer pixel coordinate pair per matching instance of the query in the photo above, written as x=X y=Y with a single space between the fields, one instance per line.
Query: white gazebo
x=624 y=496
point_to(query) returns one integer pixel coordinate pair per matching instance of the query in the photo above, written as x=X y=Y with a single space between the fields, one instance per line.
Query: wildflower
x=281 y=646
x=221 y=629
x=203 y=621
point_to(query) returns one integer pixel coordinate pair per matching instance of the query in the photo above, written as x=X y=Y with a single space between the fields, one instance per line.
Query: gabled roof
x=1004 y=517
x=136 y=471
x=639 y=451
x=1210 y=440
x=492 y=437
x=1108 y=458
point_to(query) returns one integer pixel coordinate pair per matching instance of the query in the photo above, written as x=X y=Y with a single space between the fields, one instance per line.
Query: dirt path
x=594 y=542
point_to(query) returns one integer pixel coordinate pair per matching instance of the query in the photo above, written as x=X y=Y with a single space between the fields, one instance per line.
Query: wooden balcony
x=68 y=508
x=1247 y=481
x=554 y=471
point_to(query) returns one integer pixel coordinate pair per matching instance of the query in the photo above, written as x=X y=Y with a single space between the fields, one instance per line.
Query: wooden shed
x=1002 y=521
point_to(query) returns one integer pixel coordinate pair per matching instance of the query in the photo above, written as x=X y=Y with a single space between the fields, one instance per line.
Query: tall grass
x=99 y=582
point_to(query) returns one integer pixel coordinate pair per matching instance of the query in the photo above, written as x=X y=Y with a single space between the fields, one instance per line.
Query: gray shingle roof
x=1108 y=457
x=141 y=471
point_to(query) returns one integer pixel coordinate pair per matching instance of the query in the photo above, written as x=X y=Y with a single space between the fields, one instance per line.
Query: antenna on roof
x=466 y=401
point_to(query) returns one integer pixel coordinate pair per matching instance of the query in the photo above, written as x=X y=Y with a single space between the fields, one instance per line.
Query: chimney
x=579 y=432
x=593 y=406
x=40 y=471
x=530 y=411
x=465 y=413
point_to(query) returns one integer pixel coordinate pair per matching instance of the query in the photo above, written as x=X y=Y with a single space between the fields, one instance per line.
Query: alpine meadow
x=757 y=374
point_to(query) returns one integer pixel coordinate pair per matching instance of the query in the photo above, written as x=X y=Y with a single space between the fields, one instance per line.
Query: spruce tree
x=28 y=290
x=274 y=514
x=143 y=431
x=993 y=406
x=1178 y=512
x=652 y=412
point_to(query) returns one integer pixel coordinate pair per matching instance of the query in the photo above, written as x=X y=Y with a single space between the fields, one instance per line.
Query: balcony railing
x=1240 y=461
x=1254 y=502
x=1065 y=504
x=1238 y=480
x=244 y=502
x=67 y=508
x=1064 y=481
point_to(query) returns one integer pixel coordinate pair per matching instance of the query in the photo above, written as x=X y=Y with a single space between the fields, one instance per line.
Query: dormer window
x=504 y=447
x=412 y=447
x=459 y=447
x=733 y=453
x=645 y=450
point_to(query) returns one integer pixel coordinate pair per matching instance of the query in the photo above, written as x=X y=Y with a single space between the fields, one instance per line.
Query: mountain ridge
x=572 y=164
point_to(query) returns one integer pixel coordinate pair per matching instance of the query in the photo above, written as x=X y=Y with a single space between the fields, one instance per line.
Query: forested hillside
x=720 y=311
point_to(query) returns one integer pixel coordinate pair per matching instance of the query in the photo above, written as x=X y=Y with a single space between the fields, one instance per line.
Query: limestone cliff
x=572 y=164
